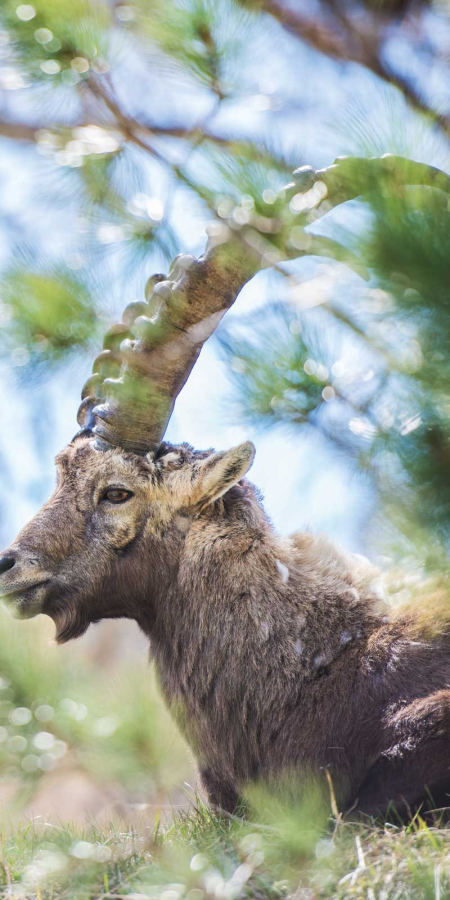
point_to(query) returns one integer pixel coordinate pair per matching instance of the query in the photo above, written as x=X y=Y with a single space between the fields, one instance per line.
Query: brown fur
x=274 y=654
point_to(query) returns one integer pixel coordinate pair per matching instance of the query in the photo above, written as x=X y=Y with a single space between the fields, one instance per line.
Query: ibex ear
x=219 y=472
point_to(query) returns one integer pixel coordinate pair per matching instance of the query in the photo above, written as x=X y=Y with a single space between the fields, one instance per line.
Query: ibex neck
x=251 y=624
x=250 y=610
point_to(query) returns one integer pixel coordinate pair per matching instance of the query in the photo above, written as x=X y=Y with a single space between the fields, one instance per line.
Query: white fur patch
x=320 y=660
x=283 y=570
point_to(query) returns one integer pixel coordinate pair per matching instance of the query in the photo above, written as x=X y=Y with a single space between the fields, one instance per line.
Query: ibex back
x=273 y=654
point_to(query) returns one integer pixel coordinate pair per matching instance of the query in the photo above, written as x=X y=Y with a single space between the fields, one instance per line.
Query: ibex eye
x=116 y=495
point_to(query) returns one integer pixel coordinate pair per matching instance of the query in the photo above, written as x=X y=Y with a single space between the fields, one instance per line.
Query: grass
x=58 y=710
x=201 y=856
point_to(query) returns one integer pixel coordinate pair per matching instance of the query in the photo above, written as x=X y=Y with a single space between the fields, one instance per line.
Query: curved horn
x=146 y=360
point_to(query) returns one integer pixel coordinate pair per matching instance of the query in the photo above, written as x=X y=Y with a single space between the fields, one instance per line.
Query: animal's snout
x=20 y=568
x=18 y=559
x=6 y=562
x=24 y=581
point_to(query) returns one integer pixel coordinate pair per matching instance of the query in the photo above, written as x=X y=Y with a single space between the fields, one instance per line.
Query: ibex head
x=119 y=486
x=108 y=539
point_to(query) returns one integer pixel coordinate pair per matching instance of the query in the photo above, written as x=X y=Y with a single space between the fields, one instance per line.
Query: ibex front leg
x=220 y=792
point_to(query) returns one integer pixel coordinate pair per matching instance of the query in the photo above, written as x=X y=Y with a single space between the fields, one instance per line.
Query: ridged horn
x=147 y=358
x=128 y=400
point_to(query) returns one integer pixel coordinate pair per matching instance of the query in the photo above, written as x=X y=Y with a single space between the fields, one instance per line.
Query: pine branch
x=21 y=131
x=18 y=131
x=348 y=43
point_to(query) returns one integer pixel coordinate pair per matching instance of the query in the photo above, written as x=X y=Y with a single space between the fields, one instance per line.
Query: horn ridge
x=147 y=358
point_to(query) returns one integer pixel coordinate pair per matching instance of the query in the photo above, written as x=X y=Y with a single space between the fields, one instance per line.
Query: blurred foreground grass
x=203 y=856
x=66 y=722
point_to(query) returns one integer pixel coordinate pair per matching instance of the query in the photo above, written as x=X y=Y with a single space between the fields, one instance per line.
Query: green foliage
x=274 y=376
x=206 y=39
x=55 y=41
x=390 y=411
x=45 y=315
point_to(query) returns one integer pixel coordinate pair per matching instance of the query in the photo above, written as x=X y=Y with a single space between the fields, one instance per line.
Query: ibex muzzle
x=28 y=566
x=23 y=577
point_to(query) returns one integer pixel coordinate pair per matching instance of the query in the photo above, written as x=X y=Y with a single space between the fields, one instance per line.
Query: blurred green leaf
x=58 y=42
x=45 y=315
x=274 y=377
x=206 y=38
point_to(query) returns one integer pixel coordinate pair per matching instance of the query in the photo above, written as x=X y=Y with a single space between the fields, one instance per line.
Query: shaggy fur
x=273 y=654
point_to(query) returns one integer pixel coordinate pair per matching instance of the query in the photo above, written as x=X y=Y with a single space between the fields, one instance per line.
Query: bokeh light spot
x=25 y=12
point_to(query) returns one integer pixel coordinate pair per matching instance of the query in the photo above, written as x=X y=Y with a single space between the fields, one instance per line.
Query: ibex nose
x=6 y=562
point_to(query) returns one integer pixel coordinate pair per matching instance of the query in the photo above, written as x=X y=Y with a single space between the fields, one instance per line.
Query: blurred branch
x=252 y=239
x=320 y=35
x=342 y=39
x=22 y=132
x=18 y=131
x=134 y=127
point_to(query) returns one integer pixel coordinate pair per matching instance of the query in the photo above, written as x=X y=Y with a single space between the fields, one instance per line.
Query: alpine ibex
x=272 y=653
